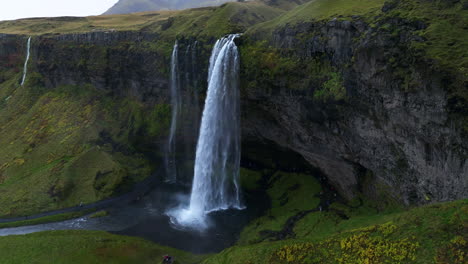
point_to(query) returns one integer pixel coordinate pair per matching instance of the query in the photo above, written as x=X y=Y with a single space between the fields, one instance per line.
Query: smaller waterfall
x=25 y=69
x=171 y=167
x=216 y=180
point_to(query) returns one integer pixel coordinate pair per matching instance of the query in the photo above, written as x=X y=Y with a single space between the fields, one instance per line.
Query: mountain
x=132 y=6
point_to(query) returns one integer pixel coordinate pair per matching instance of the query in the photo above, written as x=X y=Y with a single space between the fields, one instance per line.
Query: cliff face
x=10 y=59
x=120 y=63
x=392 y=135
x=355 y=99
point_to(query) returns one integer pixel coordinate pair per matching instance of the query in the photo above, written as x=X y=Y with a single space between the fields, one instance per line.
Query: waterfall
x=216 y=175
x=171 y=168
x=25 y=69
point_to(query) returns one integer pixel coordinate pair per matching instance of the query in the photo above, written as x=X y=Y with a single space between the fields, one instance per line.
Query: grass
x=429 y=234
x=445 y=33
x=290 y=194
x=99 y=214
x=349 y=233
x=53 y=156
x=317 y=10
x=250 y=179
x=209 y=21
x=86 y=247
x=216 y=22
x=420 y=235
x=40 y=26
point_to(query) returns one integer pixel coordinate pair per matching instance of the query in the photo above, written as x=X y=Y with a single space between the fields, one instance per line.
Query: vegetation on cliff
x=67 y=146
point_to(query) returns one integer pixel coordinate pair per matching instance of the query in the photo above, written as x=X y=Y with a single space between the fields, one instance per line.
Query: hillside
x=133 y=6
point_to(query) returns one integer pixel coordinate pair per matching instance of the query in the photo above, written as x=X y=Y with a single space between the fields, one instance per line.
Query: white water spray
x=25 y=69
x=216 y=181
x=171 y=168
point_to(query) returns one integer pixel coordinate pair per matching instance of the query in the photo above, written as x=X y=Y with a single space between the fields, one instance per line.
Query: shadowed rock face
x=400 y=140
x=132 y=6
x=103 y=60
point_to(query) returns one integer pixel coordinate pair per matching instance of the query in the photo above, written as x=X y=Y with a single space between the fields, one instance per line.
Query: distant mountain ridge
x=132 y=6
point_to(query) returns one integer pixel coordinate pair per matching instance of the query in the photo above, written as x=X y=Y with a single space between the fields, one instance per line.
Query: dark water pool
x=146 y=217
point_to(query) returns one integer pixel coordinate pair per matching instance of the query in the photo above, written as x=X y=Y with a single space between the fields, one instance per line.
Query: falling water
x=25 y=70
x=175 y=101
x=216 y=181
x=192 y=113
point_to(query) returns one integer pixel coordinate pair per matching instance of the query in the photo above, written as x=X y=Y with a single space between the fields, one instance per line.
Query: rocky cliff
x=389 y=136
x=358 y=97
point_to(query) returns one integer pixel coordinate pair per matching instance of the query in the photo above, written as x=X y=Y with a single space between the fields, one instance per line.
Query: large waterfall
x=216 y=180
x=25 y=69
x=171 y=168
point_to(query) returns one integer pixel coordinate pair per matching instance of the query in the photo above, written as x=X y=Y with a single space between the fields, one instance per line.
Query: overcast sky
x=14 y=9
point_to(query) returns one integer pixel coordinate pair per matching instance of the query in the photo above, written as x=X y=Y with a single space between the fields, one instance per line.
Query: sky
x=14 y=9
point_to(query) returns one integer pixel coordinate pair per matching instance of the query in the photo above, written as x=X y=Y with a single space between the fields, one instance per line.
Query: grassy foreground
x=85 y=247
x=346 y=233
x=430 y=234
x=355 y=232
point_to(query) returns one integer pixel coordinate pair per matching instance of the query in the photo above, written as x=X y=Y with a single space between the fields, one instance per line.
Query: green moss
x=159 y=120
x=420 y=235
x=290 y=194
x=250 y=180
x=102 y=213
x=67 y=146
x=332 y=90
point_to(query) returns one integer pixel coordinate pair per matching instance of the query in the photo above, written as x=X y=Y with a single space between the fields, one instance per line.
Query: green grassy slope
x=429 y=234
x=53 y=153
x=86 y=247
x=210 y=21
x=229 y=18
x=290 y=195
x=316 y=10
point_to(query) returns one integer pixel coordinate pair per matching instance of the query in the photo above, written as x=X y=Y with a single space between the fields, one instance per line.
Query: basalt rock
x=392 y=135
